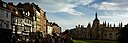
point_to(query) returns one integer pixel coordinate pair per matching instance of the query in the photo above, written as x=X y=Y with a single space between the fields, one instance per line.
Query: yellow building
x=43 y=21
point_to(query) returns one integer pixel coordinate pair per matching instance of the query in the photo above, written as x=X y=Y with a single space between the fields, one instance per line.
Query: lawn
x=93 y=41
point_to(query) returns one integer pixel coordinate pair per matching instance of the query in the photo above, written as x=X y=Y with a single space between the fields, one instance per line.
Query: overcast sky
x=69 y=13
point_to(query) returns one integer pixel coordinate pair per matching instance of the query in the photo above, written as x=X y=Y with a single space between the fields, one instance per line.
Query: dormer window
x=23 y=12
x=28 y=14
x=4 y=4
x=16 y=12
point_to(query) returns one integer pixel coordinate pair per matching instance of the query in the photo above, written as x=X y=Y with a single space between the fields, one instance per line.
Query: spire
x=114 y=24
x=108 y=24
x=121 y=24
x=89 y=25
x=96 y=16
x=105 y=23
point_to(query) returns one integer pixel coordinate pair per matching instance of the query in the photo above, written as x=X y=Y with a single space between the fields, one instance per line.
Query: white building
x=5 y=17
x=49 y=30
x=5 y=23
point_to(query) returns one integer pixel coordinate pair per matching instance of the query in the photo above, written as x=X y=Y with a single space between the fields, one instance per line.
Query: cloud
x=114 y=11
x=61 y=6
x=82 y=2
x=55 y=6
x=71 y=22
x=66 y=6
x=116 y=17
x=110 y=6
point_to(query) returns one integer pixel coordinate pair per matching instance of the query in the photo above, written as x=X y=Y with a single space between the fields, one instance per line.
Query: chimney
x=10 y=3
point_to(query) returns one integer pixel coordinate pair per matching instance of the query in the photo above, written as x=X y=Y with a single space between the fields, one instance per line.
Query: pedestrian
x=37 y=40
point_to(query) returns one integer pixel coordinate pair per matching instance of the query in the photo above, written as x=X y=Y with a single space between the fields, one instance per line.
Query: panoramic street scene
x=63 y=21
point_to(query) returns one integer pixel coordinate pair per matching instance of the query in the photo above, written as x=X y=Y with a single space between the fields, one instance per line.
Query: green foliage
x=93 y=41
x=123 y=37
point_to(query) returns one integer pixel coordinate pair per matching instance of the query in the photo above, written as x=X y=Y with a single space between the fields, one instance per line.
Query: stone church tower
x=95 y=27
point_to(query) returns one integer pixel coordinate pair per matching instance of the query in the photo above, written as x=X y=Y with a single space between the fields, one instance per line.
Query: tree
x=123 y=37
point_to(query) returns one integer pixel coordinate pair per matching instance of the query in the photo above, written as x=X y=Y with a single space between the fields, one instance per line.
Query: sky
x=69 y=13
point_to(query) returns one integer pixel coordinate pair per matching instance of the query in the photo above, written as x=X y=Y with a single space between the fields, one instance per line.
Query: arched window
x=110 y=36
x=105 y=36
x=117 y=33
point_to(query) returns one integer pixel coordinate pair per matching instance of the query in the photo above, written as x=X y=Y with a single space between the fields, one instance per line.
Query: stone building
x=43 y=21
x=17 y=20
x=97 y=31
x=38 y=19
x=21 y=20
x=27 y=12
x=53 y=28
x=5 y=23
x=77 y=32
x=26 y=18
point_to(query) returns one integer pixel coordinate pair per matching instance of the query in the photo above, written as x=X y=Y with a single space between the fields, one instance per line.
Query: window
x=0 y=10
x=27 y=20
x=30 y=22
x=4 y=4
x=13 y=28
x=19 y=20
x=5 y=12
x=20 y=29
x=16 y=19
x=0 y=23
x=16 y=12
x=7 y=15
x=7 y=25
x=27 y=28
x=23 y=12
x=28 y=14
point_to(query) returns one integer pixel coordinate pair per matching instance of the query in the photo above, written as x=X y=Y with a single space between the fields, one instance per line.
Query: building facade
x=21 y=20
x=26 y=18
x=97 y=31
x=53 y=28
x=43 y=21
x=5 y=23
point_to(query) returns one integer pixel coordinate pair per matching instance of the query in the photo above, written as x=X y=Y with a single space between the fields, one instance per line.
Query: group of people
x=48 y=39
x=52 y=39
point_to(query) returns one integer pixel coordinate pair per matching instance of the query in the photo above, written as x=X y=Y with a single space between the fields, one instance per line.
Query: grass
x=93 y=41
